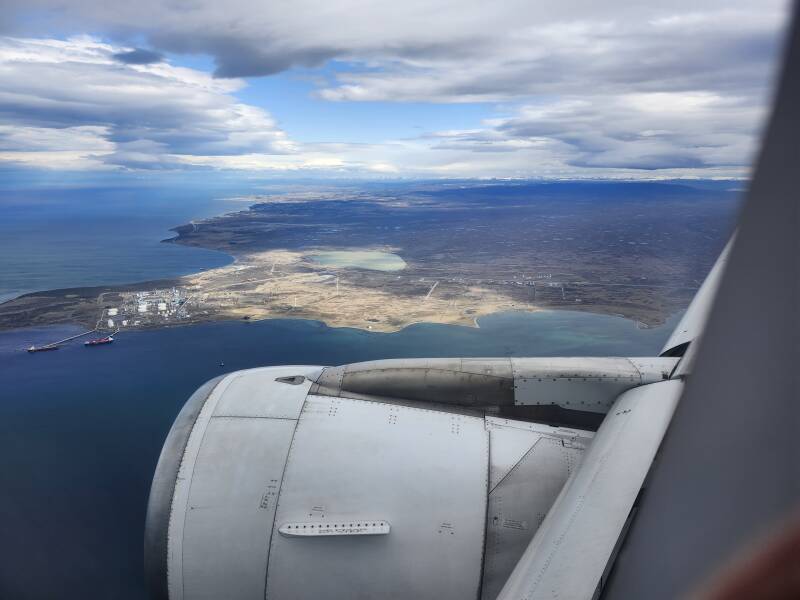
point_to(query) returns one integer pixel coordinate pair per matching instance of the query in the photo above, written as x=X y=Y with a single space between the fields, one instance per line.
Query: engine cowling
x=266 y=487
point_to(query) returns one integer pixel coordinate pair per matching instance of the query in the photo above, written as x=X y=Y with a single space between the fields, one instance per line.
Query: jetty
x=57 y=344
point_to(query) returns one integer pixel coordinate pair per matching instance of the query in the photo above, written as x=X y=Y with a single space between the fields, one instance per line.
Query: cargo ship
x=99 y=341
x=42 y=348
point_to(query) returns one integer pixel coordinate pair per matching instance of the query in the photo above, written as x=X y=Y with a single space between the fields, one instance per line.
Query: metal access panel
x=260 y=393
x=416 y=479
x=583 y=384
x=231 y=507
x=530 y=465
x=510 y=440
x=227 y=485
x=572 y=547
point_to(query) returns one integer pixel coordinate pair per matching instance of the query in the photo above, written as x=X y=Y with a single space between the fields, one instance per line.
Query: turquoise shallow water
x=362 y=259
x=81 y=428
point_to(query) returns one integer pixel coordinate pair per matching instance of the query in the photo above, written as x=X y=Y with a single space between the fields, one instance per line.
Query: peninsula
x=383 y=259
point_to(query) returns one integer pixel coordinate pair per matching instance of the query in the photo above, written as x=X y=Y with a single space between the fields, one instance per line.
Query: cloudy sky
x=418 y=88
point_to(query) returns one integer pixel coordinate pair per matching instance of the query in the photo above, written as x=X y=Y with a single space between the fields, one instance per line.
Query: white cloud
x=55 y=95
x=585 y=88
x=452 y=50
x=643 y=131
x=68 y=148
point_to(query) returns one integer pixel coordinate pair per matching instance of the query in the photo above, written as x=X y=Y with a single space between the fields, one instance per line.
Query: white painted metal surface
x=568 y=554
x=357 y=526
x=423 y=471
x=529 y=465
x=254 y=393
x=227 y=485
x=231 y=507
x=511 y=440
x=508 y=446
x=180 y=497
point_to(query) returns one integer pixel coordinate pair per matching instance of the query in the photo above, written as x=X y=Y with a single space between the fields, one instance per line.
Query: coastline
x=473 y=324
x=555 y=325
x=496 y=254
x=82 y=310
x=87 y=306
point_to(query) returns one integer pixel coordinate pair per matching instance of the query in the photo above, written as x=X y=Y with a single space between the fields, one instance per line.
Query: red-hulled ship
x=99 y=341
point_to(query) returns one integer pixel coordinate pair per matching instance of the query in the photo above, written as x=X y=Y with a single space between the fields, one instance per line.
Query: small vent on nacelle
x=293 y=380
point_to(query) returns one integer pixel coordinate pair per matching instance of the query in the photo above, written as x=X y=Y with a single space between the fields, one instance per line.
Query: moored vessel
x=42 y=348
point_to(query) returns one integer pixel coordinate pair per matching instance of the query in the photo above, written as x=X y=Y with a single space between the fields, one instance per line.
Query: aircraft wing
x=727 y=474
x=571 y=549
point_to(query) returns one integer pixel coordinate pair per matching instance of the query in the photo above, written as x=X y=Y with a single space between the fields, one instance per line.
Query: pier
x=59 y=342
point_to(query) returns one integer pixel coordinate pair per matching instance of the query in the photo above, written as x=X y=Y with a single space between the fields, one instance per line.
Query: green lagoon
x=361 y=259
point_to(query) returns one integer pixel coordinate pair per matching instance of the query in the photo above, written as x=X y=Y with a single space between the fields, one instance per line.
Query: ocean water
x=81 y=428
x=59 y=238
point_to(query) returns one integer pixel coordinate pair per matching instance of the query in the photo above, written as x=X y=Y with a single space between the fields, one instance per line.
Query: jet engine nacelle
x=272 y=485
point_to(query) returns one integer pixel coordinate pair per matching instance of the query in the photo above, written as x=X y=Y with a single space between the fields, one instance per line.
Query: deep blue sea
x=81 y=428
x=57 y=238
